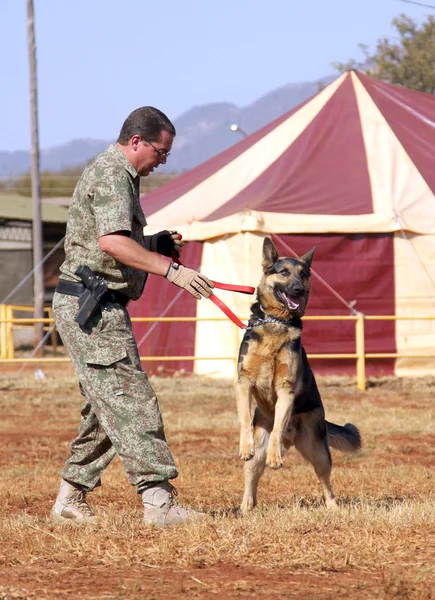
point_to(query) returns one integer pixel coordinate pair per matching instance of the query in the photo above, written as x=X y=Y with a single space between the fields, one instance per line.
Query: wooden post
x=38 y=274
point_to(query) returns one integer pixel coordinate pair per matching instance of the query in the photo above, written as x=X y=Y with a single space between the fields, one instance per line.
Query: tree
x=62 y=183
x=155 y=180
x=408 y=61
x=53 y=184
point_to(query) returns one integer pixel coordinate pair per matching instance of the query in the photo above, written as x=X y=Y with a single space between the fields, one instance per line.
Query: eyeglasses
x=162 y=153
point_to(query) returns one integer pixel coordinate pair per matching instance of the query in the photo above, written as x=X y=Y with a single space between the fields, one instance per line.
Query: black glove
x=163 y=243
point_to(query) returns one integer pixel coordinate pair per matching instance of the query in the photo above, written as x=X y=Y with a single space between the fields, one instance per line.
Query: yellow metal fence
x=8 y=322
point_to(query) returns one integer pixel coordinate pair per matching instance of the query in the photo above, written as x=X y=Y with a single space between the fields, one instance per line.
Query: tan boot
x=71 y=505
x=162 y=510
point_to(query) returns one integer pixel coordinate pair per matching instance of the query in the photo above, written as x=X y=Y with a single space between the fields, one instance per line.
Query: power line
x=35 y=268
x=418 y=3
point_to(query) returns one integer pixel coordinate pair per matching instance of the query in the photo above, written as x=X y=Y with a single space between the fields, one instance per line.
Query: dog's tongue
x=295 y=303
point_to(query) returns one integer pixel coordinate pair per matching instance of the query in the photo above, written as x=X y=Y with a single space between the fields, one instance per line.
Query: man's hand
x=164 y=242
x=192 y=281
x=177 y=241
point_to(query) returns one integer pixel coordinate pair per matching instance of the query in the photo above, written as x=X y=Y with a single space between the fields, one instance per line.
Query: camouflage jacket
x=105 y=200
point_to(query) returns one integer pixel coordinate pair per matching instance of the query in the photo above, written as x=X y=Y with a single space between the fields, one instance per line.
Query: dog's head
x=285 y=286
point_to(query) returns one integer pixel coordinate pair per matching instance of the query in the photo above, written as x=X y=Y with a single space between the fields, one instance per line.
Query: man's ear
x=308 y=257
x=135 y=141
x=270 y=255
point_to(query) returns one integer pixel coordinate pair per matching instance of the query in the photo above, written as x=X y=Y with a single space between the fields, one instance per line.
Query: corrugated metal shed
x=19 y=208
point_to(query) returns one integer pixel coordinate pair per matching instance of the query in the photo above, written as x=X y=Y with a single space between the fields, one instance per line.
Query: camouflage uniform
x=120 y=414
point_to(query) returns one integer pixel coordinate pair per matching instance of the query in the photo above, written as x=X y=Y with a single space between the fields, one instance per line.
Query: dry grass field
x=379 y=544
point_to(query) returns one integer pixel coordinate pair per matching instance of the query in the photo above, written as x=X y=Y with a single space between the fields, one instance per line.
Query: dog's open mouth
x=293 y=303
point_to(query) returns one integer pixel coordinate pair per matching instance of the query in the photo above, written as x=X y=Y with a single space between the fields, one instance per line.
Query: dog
x=273 y=370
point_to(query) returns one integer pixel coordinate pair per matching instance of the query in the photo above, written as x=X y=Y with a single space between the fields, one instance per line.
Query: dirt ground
x=379 y=544
x=220 y=582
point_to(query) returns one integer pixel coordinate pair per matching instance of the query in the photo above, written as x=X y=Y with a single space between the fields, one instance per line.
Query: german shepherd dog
x=274 y=371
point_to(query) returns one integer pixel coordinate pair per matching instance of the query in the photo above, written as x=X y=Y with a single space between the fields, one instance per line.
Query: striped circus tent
x=351 y=171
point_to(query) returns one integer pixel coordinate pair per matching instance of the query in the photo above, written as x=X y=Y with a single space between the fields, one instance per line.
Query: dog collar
x=267 y=319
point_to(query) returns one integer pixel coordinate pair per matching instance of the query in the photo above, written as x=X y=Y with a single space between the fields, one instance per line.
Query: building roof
x=357 y=157
x=60 y=201
x=19 y=208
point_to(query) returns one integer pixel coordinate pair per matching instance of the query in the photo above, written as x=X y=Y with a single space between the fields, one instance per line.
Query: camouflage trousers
x=120 y=413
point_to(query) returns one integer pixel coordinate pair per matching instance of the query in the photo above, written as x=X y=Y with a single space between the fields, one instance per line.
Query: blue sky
x=100 y=59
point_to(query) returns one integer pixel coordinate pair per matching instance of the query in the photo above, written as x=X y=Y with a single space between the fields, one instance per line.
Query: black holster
x=89 y=299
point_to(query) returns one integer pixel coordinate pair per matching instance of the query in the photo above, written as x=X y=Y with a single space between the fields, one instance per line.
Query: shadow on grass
x=229 y=511
x=385 y=502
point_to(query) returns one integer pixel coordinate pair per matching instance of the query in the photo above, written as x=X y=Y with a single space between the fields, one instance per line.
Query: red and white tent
x=351 y=170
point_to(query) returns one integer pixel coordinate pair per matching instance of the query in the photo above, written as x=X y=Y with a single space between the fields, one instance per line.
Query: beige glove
x=192 y=281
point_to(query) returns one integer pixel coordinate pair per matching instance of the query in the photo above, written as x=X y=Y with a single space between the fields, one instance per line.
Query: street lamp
x=236 y=127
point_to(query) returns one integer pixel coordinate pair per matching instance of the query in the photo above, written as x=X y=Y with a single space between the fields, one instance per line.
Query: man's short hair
x=148 y=122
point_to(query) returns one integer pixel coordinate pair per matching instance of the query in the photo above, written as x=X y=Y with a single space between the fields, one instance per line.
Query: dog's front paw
x=246 y=454
x=247 y=449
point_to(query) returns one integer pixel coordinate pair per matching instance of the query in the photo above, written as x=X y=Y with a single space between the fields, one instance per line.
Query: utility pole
x=38 y=274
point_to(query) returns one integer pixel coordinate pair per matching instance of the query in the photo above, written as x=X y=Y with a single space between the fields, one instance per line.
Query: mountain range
x=202 y=132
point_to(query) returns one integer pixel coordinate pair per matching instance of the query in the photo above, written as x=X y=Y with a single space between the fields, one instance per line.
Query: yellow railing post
x=53 y=334
x=10 y=332
x=236 y=351
x=3 y=335
x=360 y=351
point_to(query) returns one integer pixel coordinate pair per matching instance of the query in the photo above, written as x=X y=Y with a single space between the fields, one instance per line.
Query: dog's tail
x=345 y=438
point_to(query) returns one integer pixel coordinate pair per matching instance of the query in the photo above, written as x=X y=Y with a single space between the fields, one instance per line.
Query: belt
x=74 y=288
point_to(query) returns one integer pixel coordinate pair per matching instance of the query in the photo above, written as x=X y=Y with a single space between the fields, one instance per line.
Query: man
x=120 y=414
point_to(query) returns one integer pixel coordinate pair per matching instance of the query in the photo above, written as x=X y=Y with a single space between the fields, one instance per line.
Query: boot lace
x=78 y=499
x=173 y=492
x=175 y=504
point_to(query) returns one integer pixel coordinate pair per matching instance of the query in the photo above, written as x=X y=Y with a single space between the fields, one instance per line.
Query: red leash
x=242 y=289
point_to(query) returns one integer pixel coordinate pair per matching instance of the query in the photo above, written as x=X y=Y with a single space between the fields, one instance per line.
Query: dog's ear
x=270 y=255
x=308 y=257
